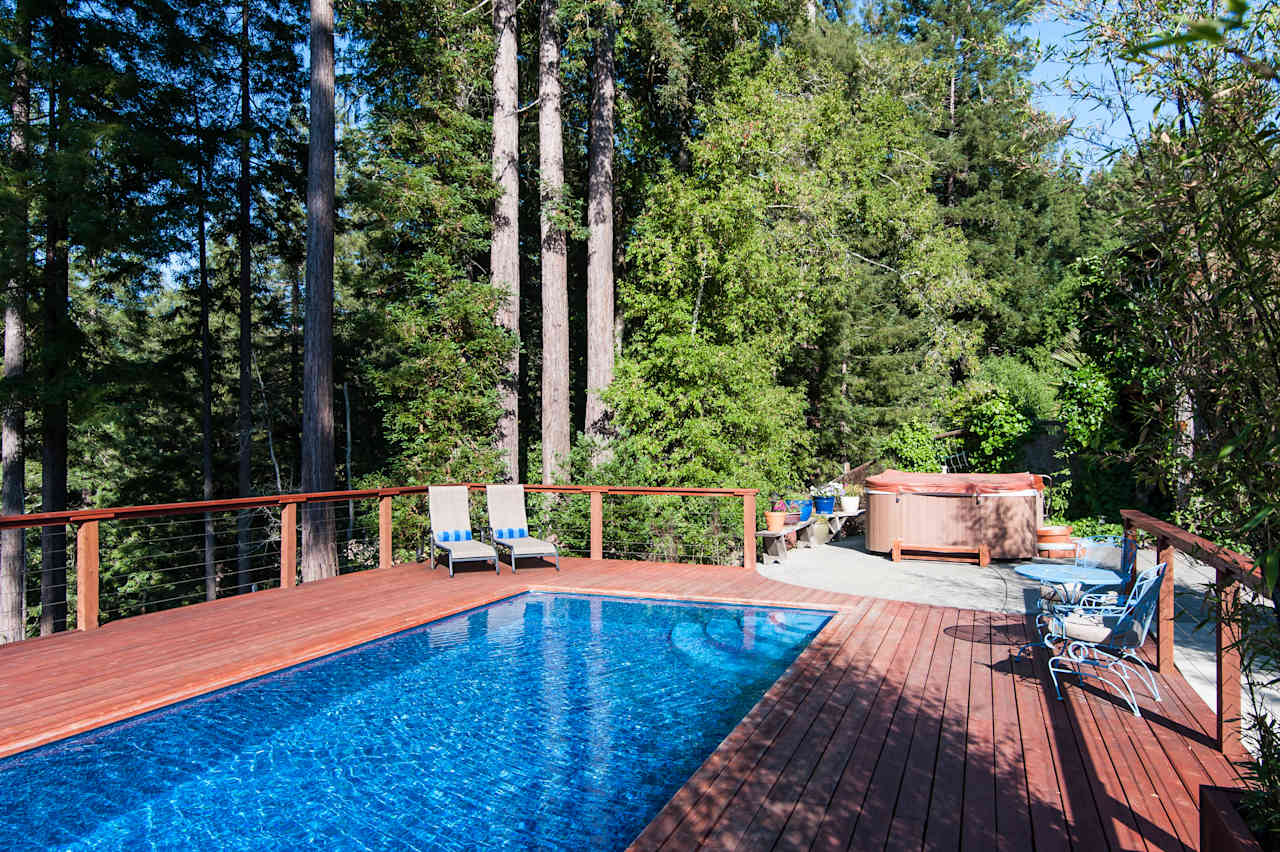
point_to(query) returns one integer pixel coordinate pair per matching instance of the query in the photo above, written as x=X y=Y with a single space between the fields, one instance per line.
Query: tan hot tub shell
x=955 y=510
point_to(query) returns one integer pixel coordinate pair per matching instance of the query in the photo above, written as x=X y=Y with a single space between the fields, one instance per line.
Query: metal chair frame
x=1111 y=662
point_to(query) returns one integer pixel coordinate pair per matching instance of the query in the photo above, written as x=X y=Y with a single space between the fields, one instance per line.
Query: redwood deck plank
x=900 y=726
x=979 y=820
x=874 y=822
x=946 y=807
x=775 y=809
x=846 y=803
x=810 y=809
x=745 y=767
x=1013 y=807
x=912 y=811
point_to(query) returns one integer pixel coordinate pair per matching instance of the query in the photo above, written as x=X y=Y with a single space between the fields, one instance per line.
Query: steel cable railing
x=114 y=563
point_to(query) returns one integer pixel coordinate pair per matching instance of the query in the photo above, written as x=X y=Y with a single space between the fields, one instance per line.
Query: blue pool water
x=539 y=722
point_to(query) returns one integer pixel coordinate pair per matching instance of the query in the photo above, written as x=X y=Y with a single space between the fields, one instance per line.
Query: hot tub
x=1000 y=510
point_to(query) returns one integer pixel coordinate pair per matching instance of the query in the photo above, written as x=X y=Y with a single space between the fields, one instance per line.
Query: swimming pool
x=540 y=721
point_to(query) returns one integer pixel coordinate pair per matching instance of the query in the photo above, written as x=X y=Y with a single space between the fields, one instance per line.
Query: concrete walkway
x=847 y=566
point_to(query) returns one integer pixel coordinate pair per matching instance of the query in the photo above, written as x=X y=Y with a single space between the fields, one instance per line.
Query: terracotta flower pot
x=775 y=521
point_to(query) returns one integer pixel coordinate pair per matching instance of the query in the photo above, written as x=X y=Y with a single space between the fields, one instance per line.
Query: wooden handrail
x=1231 y=569
x=1201 y=548
x=78 y=516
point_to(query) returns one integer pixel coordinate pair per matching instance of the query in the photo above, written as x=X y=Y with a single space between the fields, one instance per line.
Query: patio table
x=1072 y=579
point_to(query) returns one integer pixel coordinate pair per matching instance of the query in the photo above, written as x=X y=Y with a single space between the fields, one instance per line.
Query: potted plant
x=775 y=518
x=799 y=509
x=824 y=497
x=850 y=498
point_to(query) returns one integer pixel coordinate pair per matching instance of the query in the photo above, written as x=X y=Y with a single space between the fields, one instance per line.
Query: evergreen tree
x=422 y=194
x=994 y=171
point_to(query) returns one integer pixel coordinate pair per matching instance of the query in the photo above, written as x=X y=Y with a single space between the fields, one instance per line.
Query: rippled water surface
x=539 y=722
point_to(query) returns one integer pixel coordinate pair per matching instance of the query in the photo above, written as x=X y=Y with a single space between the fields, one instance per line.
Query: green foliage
x=994 y=169
x=1084 y=527
x=421 y=193
x=693 y=413
x=1086 y=400
x=998 y=429
x=912 y=446
x=785 y=234
x=1030 y=389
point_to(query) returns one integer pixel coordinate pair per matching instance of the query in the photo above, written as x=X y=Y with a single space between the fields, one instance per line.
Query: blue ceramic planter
x=825 y=505
x=804 y=507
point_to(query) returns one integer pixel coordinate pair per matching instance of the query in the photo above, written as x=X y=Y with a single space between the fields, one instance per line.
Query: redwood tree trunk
x=555 y=287
x=206 y=374
x=319 y=551
x=245 y=420
x=504 y=253
x=600 y=329
x=13 y=554
x=57 y=346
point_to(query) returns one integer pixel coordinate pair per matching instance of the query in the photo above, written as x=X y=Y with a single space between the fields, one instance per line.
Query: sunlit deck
x=902 y=725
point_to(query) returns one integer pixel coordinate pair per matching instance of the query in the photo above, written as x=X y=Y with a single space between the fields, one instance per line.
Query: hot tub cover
x=901 y=482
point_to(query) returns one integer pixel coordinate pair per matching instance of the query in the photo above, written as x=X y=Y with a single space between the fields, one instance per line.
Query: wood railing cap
x=79 y=516
x=1238 y=565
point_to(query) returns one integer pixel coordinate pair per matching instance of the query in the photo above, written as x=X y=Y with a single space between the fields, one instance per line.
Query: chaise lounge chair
x=451 y=528
x=510 y=525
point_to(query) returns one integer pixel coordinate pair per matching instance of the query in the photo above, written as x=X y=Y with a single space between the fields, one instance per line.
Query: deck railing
x=1231 y=571
x=164 y=543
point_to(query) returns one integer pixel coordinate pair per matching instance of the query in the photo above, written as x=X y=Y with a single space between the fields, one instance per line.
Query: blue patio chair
x=1113 y=552
x=1103 y=641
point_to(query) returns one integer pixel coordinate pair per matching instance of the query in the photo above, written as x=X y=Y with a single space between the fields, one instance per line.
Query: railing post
x=748 y=531
x=384 y=531
x=1228 y=660
x=288 y=545
x=1164 y=606
x=1131 y=552
x=87 y=576
x=597 y=524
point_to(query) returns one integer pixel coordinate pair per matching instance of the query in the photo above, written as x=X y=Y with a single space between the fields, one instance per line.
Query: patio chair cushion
x=511 y=532
x=1096 y=629
x=469 y=550
x=453 y=535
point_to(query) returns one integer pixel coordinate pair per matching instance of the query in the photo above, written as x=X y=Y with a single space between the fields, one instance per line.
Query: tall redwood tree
x=319 y=550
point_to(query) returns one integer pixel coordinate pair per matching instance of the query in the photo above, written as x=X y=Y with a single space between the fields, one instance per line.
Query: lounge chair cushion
x=453 y=535
x=511 y=532
x=529 y=546
x=1096 y=629
x=463 y=550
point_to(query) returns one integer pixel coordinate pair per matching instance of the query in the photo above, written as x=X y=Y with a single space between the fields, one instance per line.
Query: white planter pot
x=849 y=502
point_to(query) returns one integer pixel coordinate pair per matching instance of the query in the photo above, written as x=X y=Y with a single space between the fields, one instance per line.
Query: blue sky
x=1051 y=96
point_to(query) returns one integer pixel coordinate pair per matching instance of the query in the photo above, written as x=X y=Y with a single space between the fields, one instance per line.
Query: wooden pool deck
x=902 y=726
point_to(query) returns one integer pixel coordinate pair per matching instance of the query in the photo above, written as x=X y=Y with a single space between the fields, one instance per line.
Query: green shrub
x=914 y=447
x=1085 y=399
x=998 y=430
x=1032 y=391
